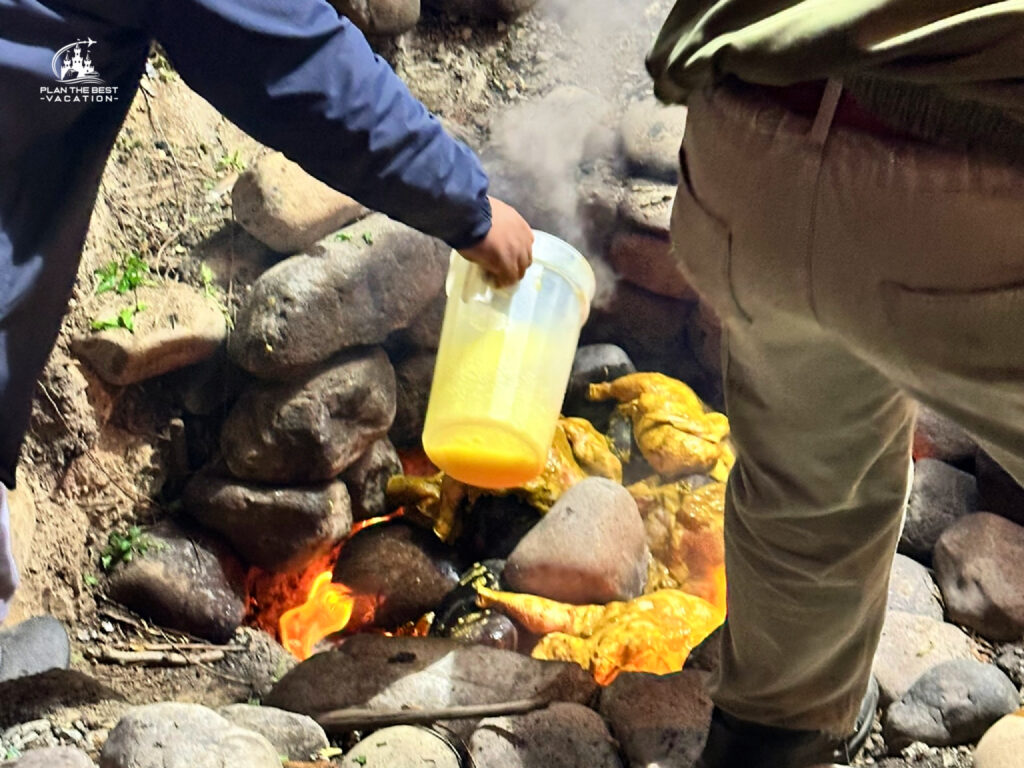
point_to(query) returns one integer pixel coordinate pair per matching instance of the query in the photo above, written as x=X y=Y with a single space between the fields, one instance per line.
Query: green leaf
x=205 y=273
x=90 y=580
x=106 y=561
x=368 y=238
x=359 y=759
x=343 y=237
x=103 y=325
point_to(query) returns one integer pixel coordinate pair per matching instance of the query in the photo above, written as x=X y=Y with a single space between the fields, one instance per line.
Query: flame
x=326 y=611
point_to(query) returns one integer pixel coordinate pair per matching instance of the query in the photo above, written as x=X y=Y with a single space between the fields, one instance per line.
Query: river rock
x=594 y=363
x=380 y=17
x=590 y=548
x=1003 y=743
x=177 y=327
x=344 y=293
x=387 y=673
x=647 y=261
x=173 y=735
x=939 y=497
x=910 y=646
x=406 y=570
x=658 y=720
x=33 y=646
x=297 y=737
x=403 y=745
x=414 y=376
x=271 y=528
x=913 y=590
x=978 y=567
x=494 y=525
x=424 y=330
x=313 y=429
x=560 y=736
x=651 y=136
x=481 y=10
x=647 y=206
x=1000 y=493
x=954 y=703
x=186 y=580
x=285 y=208
x=936 y=436
x=367 y=479
x=52 y=757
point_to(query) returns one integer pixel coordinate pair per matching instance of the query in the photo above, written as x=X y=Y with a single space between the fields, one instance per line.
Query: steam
x=557 y=153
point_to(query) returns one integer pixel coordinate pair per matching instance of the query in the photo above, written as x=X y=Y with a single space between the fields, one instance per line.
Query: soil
x=100 y=458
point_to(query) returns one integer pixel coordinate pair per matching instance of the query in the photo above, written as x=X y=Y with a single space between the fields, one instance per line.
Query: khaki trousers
x=853 y=275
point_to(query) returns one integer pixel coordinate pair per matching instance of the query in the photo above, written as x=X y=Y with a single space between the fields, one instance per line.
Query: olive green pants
x=853 y=275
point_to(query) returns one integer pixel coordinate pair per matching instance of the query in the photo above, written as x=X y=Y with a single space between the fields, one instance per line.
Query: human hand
x=507 y=251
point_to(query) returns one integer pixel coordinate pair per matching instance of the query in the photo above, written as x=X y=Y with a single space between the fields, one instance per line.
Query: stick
x=152 y=658
x=343 y=720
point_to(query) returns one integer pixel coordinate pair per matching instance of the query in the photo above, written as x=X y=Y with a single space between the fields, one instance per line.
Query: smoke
x=557 y=153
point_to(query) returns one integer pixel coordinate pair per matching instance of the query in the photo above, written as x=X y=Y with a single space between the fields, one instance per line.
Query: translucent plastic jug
x=503 y=366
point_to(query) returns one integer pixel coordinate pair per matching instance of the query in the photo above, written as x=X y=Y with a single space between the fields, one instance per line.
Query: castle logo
x=76 y=76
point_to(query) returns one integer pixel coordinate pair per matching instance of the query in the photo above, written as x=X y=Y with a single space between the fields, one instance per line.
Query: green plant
x=122 y=275
x=124 y=547
x=123 y=319
x=368 y=238
x=231 y=161
x=90 y=579
x=342 y=237
x=11 y=754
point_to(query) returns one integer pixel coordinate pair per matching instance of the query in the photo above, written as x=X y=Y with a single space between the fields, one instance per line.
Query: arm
x=299 y=78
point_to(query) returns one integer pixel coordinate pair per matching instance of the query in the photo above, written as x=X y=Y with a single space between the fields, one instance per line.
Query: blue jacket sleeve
x=300 y=79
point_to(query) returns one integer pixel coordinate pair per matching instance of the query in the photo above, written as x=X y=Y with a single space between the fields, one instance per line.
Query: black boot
x=735 y=743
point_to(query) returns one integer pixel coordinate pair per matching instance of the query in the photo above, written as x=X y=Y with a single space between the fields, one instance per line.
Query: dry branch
x=153 y=658
x=344 y=720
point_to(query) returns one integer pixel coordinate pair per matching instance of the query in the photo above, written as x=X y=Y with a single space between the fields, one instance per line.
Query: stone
x=367 y=479
x=651 y=137
x=593 y=364
x=590 y=548
x=494 y=525
x=954 y=703
x=33 y=646
x=387 y=673
x=271 y=528
x=1000 y=493
x=978 y=568
x=311 y=430
x=936 y=436
x=207 y=388
x=296 y=736
x=1011 y=661
x=658 y=720
x=481 y=10
x=380 y=17
x=186 y=580
x=598 y=198
x=1003 y=743
x=285 y=208
x=913 y=590
x=647 y=206
x=52 y=757
x=27 y=699
x=423 y=331
x=940 y=495
x=647 y=261
x=405 y=569
x=177 y=327
x=343 y=293
x=910 y=646
x=414 y=377
x=172 y=735
x=489 y=628
x=559 y=736
x=400 y=746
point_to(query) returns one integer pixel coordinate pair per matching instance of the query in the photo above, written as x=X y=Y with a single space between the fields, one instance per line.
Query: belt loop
x=826 y=111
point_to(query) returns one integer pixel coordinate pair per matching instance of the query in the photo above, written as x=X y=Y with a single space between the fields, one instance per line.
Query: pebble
x=913 y=590
x=1003 y=743
x=403 y=746
x=52 y=757
x=592 y=364
x=33 y=646
x=658 y=720
x=910 y=646
x=310 y=430
x=296 y=736
x=563 y=735
x=940 y=496
x=953 y=703
x=978 y=568
x=381 y=17
x=285 y=208
x=590 y=548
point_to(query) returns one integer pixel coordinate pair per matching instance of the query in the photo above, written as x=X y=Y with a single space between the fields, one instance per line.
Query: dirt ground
x=100 y=458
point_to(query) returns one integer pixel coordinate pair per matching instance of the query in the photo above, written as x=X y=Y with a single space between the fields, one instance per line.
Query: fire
x=327 y=610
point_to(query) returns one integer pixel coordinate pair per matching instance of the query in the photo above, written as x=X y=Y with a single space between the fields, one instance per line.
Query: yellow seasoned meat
x=437 y=498
x=673 y=439
x=653 y=633
x=634 y=385
x=593 y=451
x=561 y=472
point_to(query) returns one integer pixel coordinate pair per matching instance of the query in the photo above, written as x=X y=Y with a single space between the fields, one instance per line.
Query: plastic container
x=503 y=366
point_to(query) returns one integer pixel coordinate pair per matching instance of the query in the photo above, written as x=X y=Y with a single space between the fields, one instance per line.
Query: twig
x=183 y=647
x=344 y=720
x=151 y=658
